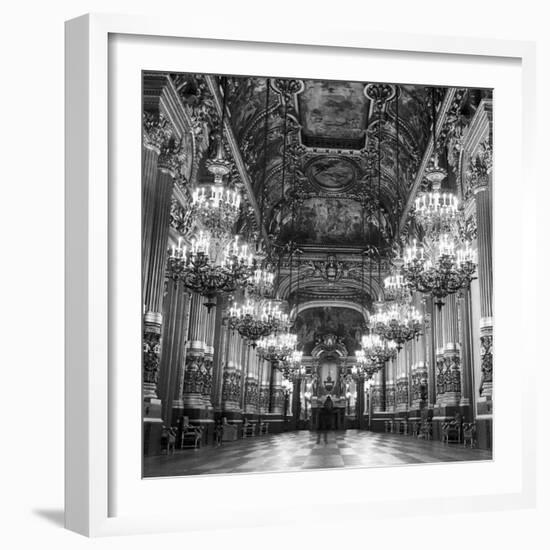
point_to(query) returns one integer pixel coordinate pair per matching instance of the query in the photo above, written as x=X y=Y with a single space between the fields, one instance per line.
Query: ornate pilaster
x=480 y=180
x=402 y=393
x=197 y=373
x=231 y=384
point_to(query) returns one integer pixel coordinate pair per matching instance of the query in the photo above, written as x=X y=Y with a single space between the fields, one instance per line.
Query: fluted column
x=153 y=290
x=481 y=183
x=174 y=331
x=390 y=385
x=177 y=405
x=156 y=133
x=465 y=331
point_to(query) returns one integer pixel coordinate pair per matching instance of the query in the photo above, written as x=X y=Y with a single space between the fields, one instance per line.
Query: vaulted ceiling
x=337 y=188
x=322 y=188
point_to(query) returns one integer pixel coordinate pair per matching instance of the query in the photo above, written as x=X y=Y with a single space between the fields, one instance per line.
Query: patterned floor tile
x=300 y=451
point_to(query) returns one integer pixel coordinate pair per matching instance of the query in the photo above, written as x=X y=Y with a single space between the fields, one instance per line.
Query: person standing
x=325 y=420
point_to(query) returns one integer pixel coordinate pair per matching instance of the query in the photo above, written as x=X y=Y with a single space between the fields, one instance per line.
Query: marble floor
x=293 y=451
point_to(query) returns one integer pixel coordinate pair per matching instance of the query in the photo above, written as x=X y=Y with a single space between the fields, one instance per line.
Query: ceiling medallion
x=331 y=173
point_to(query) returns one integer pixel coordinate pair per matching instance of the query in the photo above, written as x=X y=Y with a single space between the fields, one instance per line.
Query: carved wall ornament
x=380 y=94
x=156 y=130
x=170 y=157
x=486 y=360
x=151 y=357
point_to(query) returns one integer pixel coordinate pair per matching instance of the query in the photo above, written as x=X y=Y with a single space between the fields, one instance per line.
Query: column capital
x=170 y=157
x=156 y=130
x=480 y=167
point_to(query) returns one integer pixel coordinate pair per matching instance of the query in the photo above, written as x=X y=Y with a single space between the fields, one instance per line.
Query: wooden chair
x=191 y=436
x=249 y=429
x=230 y=432
x=450 y=432
x=425 y=431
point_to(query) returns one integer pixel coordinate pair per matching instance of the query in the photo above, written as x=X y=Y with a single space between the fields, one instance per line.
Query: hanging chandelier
x=277 y=347
x=209 y=267
x=216 y=207
x=260 y=282
x=292 y=368
x=434 y=210
x=378 y=350
x=257 y=318
x=364 y=366
x=398 y=321
x=446 y=268
x=396 y=288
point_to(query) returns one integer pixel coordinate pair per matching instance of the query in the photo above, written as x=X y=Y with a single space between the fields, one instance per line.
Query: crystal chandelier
x=447 y=267
x=277 y=347
x=261 y=281
x=364 y=366
x=396 y=288
x=293 y=368
x=217 y=208
x=257 y=318
x=209 y=267
x=436 y=211
x=398 y=321
x=378 y=350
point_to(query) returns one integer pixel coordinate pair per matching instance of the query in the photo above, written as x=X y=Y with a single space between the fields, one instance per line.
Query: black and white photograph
x=317 y=274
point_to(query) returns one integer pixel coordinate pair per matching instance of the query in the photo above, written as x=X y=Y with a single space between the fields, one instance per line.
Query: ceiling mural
x=314 y=323
x=330 y=167
x=332 y=112
x=327 y=221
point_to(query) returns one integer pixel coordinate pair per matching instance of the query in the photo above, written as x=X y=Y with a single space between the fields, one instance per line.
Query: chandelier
x=378 y=350
x=217 y=208
x=260 y=282
x=364 y=366
x=436 y=211
x=209 y=267
x=398 y=321
x=293 y=368
x=396 y=288
x=446 y=269
x=277 y=347
x=257 y=318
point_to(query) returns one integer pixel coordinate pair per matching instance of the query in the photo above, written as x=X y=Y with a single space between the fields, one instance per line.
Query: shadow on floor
x=57 y=517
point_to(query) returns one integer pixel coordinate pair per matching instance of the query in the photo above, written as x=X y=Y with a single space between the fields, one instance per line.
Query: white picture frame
x=96 y=239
